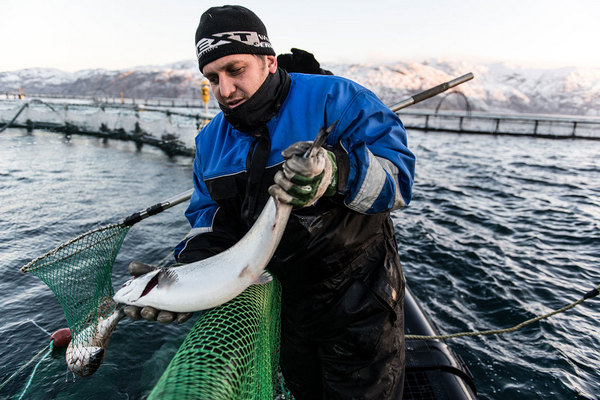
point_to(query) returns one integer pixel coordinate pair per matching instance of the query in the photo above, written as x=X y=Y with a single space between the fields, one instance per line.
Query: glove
x=303 y=181
x=137 y=268
x=301 y=61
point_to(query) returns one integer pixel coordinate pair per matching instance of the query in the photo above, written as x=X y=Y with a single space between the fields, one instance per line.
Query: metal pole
x=157 y=208
x=177 y=199
x=431 y=92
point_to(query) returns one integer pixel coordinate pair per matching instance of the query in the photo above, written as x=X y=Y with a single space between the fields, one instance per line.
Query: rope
x=592 y=293
x=35 y=368
x=42 y=329
x=286 y=393
x=27 y=364
x=164 y=261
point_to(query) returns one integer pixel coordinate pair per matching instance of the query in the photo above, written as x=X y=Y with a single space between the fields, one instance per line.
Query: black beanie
x=230 y=30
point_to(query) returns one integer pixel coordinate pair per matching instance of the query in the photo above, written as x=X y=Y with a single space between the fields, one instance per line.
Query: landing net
x=232 y=351
x=79 y=274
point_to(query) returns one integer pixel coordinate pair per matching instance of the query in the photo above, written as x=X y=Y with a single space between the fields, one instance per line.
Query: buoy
x=205 y=92
x=61 y=337
x=205 y=98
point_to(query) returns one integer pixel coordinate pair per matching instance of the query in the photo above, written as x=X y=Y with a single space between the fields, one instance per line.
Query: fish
x=191 y=287
x=87 y=349
x=213 y=281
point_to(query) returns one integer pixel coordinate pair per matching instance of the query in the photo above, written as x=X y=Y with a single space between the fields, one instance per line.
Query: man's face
x=235 y=78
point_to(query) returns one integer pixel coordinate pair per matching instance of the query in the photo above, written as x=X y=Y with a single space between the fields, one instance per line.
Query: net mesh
x=232 y=352
x=79 y=274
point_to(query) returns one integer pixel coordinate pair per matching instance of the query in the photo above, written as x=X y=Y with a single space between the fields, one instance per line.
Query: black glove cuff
x=343 y=167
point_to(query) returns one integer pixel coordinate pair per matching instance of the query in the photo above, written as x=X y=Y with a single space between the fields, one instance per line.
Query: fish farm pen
x=172 y=124
x=542 y=126
x=103 y=99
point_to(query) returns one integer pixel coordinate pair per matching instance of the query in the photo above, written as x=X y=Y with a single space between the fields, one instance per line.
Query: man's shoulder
x=321 y=85
x=324 y=80
x=216 y=124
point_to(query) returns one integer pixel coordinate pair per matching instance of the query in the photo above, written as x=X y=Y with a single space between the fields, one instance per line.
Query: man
x=342 y=284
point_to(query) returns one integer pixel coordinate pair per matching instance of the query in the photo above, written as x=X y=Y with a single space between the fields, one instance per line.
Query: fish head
x=134 y=288
x=84 y=360
x=86 y=350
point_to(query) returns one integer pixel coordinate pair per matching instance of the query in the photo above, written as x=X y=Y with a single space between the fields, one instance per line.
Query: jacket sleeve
x=211 y=233
x=376 y=168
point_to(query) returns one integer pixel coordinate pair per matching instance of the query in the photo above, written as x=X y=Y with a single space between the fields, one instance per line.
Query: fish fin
x=244 y=272
x=168 y=276
x=263 y=278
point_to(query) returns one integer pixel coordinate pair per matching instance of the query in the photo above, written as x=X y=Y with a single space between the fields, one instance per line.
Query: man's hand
x=137 y=268
x=303 y=181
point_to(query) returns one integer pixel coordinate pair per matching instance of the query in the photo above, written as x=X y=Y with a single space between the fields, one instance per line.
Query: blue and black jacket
x=330 y=238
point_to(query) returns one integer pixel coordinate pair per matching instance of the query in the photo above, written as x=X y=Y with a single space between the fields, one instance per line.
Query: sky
x=119 y=34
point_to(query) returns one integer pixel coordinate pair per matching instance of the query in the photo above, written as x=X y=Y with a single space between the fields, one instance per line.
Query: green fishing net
x=232 y=352
x=79 y=274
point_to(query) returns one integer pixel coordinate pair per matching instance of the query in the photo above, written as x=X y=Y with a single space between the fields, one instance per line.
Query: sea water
x=500 y=230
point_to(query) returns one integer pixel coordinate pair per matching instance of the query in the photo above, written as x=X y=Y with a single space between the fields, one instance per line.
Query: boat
x=433 y=370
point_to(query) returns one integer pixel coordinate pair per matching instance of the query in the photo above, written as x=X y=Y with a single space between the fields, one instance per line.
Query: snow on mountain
x=497 y=87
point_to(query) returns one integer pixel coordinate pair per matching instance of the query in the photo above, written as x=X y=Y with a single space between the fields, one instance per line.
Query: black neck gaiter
x=262 y=106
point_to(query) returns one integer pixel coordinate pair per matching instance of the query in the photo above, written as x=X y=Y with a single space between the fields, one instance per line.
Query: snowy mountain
x=496 y=87
x=171 y=81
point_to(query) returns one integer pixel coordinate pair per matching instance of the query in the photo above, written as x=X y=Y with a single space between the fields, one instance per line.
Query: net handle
x=431 y=92
x=157 y=208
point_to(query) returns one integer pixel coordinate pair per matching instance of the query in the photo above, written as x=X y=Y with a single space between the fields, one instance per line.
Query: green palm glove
x=303 y=181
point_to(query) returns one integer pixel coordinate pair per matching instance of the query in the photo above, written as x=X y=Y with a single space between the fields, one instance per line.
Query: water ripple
x=499 y=230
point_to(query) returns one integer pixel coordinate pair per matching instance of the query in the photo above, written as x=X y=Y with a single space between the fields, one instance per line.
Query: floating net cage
x=232 y=352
